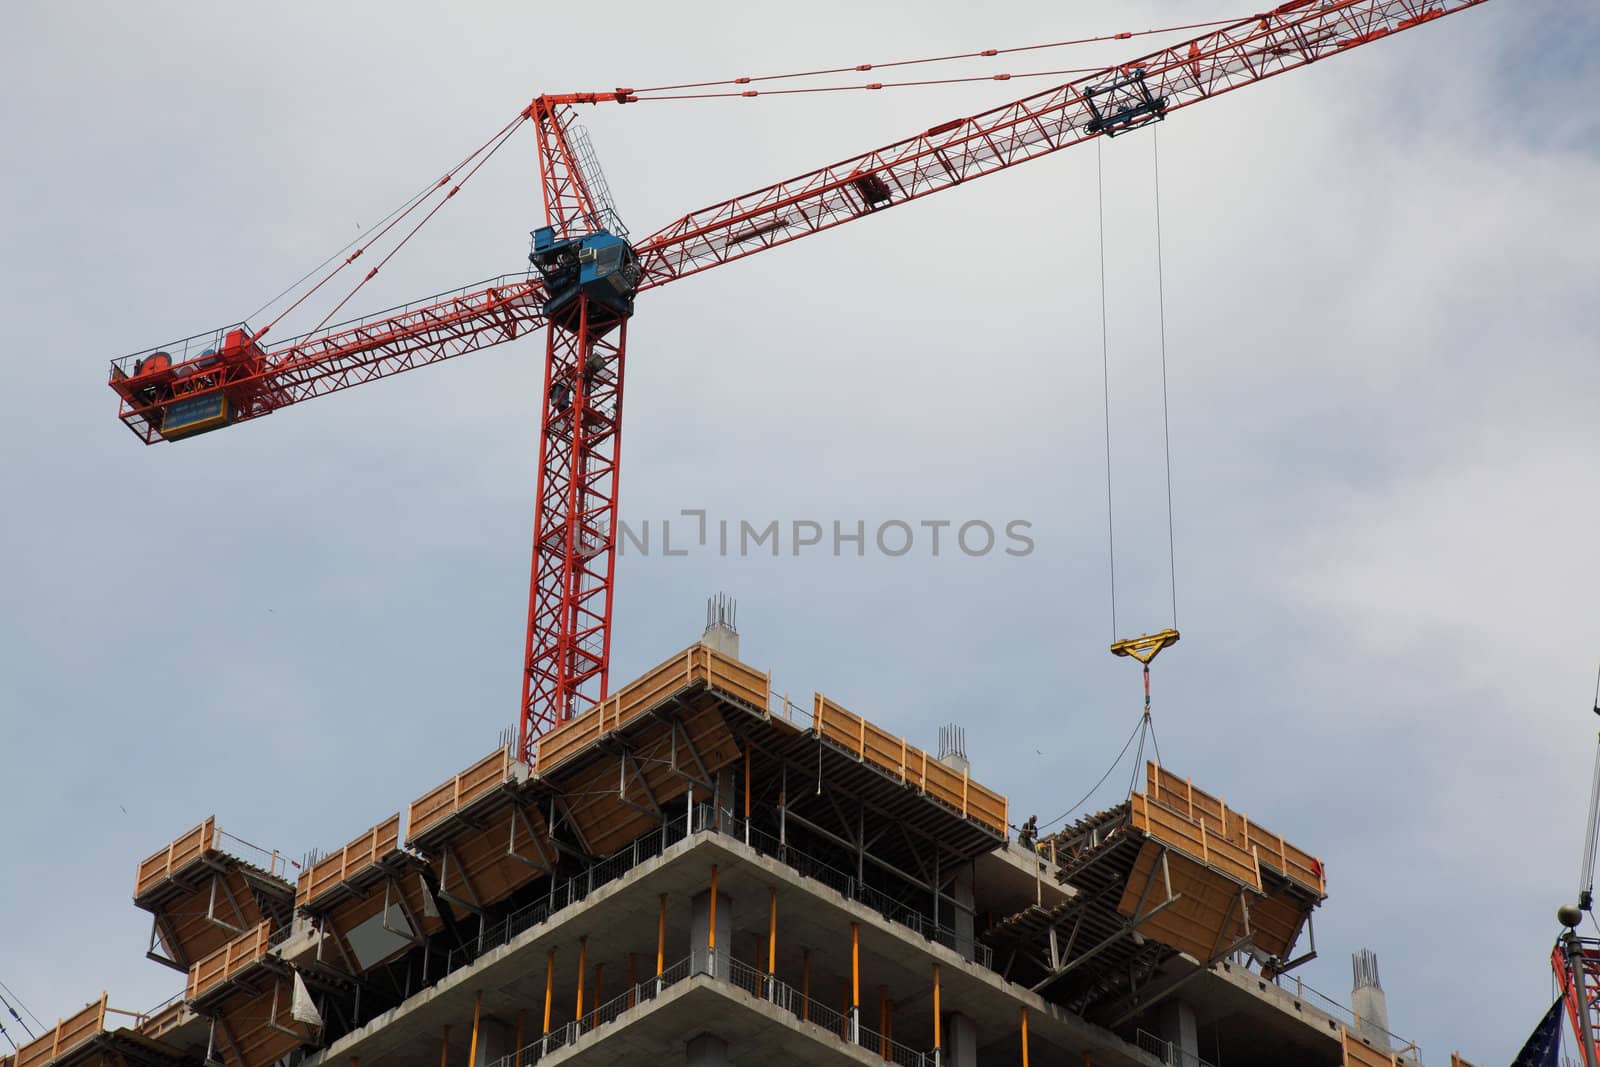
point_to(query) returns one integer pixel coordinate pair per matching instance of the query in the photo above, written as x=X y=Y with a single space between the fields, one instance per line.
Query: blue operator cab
x=599 y=265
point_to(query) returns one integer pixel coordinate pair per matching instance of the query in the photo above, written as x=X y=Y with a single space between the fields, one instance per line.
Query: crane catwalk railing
x=361 y=350
x=962 y=149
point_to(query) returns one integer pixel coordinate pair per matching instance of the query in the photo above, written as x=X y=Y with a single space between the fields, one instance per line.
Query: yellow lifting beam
x=1145 y=648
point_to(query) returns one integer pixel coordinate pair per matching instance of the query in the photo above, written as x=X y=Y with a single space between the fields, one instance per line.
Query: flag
x=1543 y=1048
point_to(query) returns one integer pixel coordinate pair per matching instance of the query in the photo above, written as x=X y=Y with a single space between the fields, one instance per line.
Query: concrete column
x=495 y=1039
x=706 y=1050
x=961 y=893
x=1367 y=999
x=699 y=934
x=1175 y=1024
x=960 y=1039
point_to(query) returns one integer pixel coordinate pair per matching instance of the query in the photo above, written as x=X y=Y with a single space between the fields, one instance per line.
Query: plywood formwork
x=1270 y=850
x=463 y=793
x=202 y=895
x=400 y=898
x=696 y=666
x=913 y=766
x=368 y=857
x=1189 y=837
x=1174 y=865
x=237 y=957
x=254 y=1026
x=1291 y=881
x=68 y=1034
x=166 y=1021
x=483 y=864
x=1359 y=1052
x=1208 y=912
x=159 y=1039
x=612 y=798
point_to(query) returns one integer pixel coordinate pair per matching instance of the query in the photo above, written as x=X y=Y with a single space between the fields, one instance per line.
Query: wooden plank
x=211 y=971
x=164 y=1021
x=259 y=1023
x=1205 y=914
x=1357 y=1053
x=943 y=784
x=335 y=869
x=1276 y=920
x=487 y=871
x=66 y=1035
x=1267 y=849
x=736 y=679
x=477 y=780
x=184 y=850
x=1189 y=837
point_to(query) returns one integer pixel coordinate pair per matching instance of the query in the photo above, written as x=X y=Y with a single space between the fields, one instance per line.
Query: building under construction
x=698 y=871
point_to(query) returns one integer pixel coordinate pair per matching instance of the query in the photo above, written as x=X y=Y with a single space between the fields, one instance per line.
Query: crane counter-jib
x=226 y=376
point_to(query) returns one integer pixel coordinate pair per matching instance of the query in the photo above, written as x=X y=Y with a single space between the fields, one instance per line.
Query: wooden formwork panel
x=1272 y=850
x=478 y=866
x=216 y=968
x=195 y=929
x=67 y=1035
x=696 y=665
x=164 y=1021
x=1191 y=838
x=738 y=680
x=258 y=1029
x=1357 y=1053
x=1275 y=922
x=404 y=888
x=365 y=852
x=180 y=853
x=1206 y=917
x=481 y=778
x=605 y=797
x=894 y=755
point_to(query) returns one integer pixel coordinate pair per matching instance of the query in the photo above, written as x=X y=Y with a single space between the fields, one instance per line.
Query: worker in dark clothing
x=1029 y=833
x=560 y=395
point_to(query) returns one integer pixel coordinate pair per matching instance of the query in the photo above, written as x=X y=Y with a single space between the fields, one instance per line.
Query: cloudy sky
x=1381 y=313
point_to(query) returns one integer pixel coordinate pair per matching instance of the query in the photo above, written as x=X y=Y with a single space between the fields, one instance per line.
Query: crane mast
x=587 y=273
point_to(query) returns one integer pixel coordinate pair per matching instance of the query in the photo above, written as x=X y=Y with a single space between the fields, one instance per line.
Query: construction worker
x=560 y=395
x=1029 y=832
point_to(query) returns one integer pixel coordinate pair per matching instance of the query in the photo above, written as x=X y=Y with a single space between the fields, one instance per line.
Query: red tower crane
x=588 y=274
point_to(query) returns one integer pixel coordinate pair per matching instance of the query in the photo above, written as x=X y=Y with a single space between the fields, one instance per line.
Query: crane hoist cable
x=1592 y=835
x=1145 y=647
x=1096 y=787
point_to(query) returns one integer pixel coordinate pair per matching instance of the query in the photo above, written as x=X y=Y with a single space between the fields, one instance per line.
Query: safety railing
x=609 y=1011
x=705 y=818
x=1330 y=1006
x=1167 y=1052
x=851 y=887
x=780 y=994
x=176 y=352
x=192 y=846
x=565 y=893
